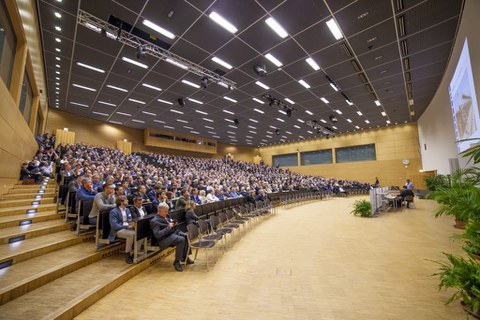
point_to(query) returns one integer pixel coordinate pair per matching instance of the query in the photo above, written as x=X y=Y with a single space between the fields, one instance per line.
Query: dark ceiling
x=392 y=50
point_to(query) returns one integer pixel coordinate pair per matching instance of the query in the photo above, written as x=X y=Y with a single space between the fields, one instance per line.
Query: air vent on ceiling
x=406 y=64
x=363 y=78
x=399 y=5
x=346 y=50
x=355 y=65
x=401 y=26
x=408 y=76
x=404 y=47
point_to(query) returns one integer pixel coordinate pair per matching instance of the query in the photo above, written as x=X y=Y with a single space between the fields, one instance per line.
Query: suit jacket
x=181 y=203
x=162 y=232
x=135 y=213
x=190 y=217
x=116 y=221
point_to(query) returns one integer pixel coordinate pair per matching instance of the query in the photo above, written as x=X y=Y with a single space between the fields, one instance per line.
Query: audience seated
x=101 y=201
x=86 y=191
x=121 y=226
x=190 y=216
x=182 y=200
x=137 y=209
x=195 y=197
x=211 y=197
x=406 y=192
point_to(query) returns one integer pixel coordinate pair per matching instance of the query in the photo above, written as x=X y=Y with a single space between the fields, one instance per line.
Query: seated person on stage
x=137 y=210
x=195 y=197
x=182 y=201
x=211 y=196
x=406 y=192
x=163 y=228
x=102 y=200
x=121 y=226
x=190 y=216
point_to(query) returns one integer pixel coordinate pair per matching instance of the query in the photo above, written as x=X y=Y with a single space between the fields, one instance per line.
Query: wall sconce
x=125 y=140
x=406 y=162
x=65 y=129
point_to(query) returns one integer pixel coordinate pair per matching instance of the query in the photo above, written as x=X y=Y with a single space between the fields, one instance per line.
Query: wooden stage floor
x=314 y=261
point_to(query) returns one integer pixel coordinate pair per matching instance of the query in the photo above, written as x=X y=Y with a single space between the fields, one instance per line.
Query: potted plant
x=461 y=200
x=362 y=208
x=464 y=276
x=472 y=238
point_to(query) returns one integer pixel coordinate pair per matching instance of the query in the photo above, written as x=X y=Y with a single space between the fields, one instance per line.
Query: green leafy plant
x=464 y=276
x=472 y=152
x=362 y=208
x=472 y=237
x=434 y=183
x=461 y=201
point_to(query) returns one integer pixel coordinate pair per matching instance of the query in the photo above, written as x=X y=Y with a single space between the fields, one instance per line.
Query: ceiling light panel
x=334 y=29
x=274 y=60
x=159 y=29
x=275 y=26
x=222 y=63
x=134 y=62
x=223 y=22
x=313 y=64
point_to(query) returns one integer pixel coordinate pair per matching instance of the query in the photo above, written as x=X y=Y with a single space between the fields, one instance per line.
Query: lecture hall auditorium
x=251 y=128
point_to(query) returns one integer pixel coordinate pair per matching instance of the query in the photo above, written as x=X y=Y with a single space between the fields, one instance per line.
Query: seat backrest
x=70 y=204
x=214 y=222
x=203 y=226
x=223 y=217
x=143 y=229
x=85 y=208
x=409 y=198
x=103 y=222
x=192 y=231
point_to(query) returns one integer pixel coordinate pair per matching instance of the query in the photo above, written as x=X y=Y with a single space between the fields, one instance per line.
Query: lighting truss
x=319 y=128
x=274 y=102
x=88 y=20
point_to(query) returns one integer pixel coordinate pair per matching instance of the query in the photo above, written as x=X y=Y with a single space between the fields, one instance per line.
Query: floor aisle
x=314 y=261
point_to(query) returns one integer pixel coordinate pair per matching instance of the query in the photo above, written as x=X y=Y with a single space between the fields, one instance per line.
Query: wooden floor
x=314 y=261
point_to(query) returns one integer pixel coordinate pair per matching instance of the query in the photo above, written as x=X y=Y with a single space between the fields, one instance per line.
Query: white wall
x=435 y=126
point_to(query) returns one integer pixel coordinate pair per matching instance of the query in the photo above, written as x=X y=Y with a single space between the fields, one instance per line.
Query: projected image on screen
x=464 y=102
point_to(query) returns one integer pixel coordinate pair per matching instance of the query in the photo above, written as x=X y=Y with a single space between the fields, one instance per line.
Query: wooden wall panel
x=124 y=146
x=393 y=144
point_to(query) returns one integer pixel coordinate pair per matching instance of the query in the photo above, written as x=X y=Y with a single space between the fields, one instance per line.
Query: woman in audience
x=190 y=216
x=202 y=197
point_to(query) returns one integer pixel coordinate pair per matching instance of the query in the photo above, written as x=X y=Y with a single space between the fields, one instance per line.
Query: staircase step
x=25 y=202
x=80 y=289
x=19 y=233
x=25 y=189
x=27 y=276
x=31 y=195
x=23 y=250
x=10 y=211
x=15 y=220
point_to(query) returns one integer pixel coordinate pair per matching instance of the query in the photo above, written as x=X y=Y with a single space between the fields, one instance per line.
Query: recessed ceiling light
x=215 y=136
x=384 y=113
x=388 y=121
x=323 y=120
x=57 y=72
x=95 y=28
x=253 y=120
x=81 y=64
x=195 y=132
x=196 y=101
x=201 y=112
x=270 y=132
x=334 y=127
x=282 y=112
x=175 y=63
x=333 y=86
x=263 y=85
x=58 y=28
x=182 y=121
x=252 y=127
x=159 y=29
x=222 y=63
x=289 y=101
x=300 y=120
x=232 y=126
x=272 y=23
x=169 y=127
x=350 y=121
x=231 y=132
x=58 y=50
x=176 y=111
x=151 y=86
x=274 y=60
x=138 y=121
x=149 y=113
x=208 y=127
x=57 y=14
x=107 y=103
x=258 y=100
x=324 y=100
x=117 y=88
x=206 y=119
x=136 y=63
x=137 y=101
x=223 y=84
x=253 y=132
x=366 y=121
x=212 y=132
x=350 y=103
x=268 y=136
x=191 y=84
x=288 y=132
x=222 y=22
x=334 y=29
x=188 y=127
x=359 y=113
x=79 y=104
x=229 y=99
x=165 y=101
x=313 y=64
x=57 y=66
x=124 y=114
x=229 y=120
x=159 y=121
x=273 y=127
x=303 y=83
x=100 y=113
x=83 y=87
x=377 y=102
x=229 y=112
x=58 y=40
x=310 y=132
x=309 y=112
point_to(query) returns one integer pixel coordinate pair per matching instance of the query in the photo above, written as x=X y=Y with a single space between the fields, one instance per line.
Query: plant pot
x=475 y=315
x=459 y=224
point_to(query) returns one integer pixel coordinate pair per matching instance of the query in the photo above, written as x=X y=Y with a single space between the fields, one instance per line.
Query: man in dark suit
x=121 y=227
x=137 y=210
x=163 y=228
x=406 y=192
x=182 y=201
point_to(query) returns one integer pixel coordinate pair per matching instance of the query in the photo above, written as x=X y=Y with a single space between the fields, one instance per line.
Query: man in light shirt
x=211 y=196
x=103 y=200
